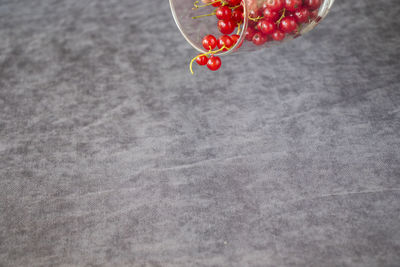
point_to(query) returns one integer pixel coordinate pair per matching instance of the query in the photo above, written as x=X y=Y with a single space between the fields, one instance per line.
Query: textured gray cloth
x=112 y=154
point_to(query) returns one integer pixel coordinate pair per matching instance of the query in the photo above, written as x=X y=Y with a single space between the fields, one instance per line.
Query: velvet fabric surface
x=113 y=154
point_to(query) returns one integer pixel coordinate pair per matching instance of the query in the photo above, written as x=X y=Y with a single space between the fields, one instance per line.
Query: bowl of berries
x=221 y=27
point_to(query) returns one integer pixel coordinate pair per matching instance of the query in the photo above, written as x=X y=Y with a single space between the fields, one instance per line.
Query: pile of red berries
x=276 y=19
x=269 y=20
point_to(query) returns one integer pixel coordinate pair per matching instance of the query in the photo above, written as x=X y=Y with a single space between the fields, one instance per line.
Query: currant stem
x=255 y=19
x=202 y=16
x=283 y=15
x=235 y=7
x=196 y=6
x=238 y=30
x=205 y=54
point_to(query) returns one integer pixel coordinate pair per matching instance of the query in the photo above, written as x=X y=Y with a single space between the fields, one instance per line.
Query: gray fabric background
x=112 y=154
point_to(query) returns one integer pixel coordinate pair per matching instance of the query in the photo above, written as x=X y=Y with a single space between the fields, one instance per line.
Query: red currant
x=278 y=35
x=233 y=2
x=312 y=4
x=259 y=38
x=223 y=12
x=225 y=40
x=302 y=15
x=237 y=15
x=226 y=26
x=274 y=5
x=271 y=15
x=209 y=42
x=202 y=60
x=249 y=34
x=288 y=24
x=293 y=5
x=217 y=4
x=267 y=26
x=235 y=39
x=214 y=63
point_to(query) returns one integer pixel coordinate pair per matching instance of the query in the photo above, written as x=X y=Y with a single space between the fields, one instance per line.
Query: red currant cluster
x=277 y=18
x=269 y=20
x=229 y=14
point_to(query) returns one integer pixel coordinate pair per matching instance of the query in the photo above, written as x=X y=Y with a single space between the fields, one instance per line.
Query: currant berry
x=214 y=63
x=312 y=4
x=235 y=39
x=267 y=26
x=202 y=60
x=278 y=35
x=288 y=24
x=293 y=5
x=223 y=12
x=226 y=41
x=217 y=4
x=271 y=15
x=226 y=26
x=302 y=15
x=274 y=5
x=233 y=2
x=209 y=42
x=259 y=38
x=237 y=15
x=249 y=34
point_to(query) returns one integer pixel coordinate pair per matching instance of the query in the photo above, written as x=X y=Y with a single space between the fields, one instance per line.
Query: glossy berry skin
x=209 y=42
x=278 y=35
x=267 y=26
x=302 y=15
x=225 y=40
x=223 y=12
x=202 y=60
x=226 y=26
x=249 y=34
x=271 y=15
x=216 y=4
x=312 y=4
x=259 y=38
x=288 y=24
x=233 y=2
x=274 y=5
x=214 y=63
x=293 y=5
x=237 y=15
x=235 y=39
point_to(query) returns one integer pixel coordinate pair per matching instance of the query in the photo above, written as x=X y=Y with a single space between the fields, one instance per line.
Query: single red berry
x=288 y=24
x=249 y=34
x=235 y=38
x=226 y=26
x=259 y=38
x=274 y=5
x=223 y=12
x=302 y=15
x=240 y=8
x=293 y=5
x=225 y=40
x=254 y=13
x=217 y=4
x=267 y=26
x=233 y=2
x=237 y=15
x=312 y=4
x=209 y=42
x=214 y=63
x=278 y=35
x=202 y=60
x=271 y=15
